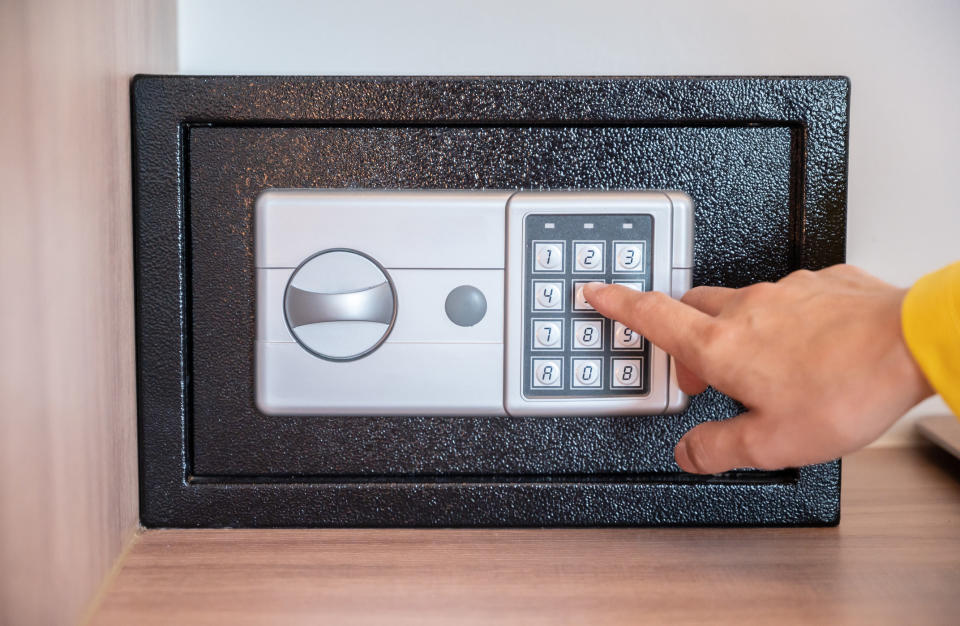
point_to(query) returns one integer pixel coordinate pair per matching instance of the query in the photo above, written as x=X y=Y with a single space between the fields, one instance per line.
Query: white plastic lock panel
x=462 y=302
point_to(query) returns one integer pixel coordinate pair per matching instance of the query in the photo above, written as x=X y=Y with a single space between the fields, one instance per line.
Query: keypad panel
x=570 y=349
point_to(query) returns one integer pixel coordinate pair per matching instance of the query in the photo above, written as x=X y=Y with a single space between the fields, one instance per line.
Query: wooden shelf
x=895 y=558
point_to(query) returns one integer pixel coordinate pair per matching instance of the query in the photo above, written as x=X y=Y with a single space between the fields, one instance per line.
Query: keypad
x=569 y=348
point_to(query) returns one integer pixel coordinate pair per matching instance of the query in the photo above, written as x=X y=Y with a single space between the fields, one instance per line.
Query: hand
x=818 y=359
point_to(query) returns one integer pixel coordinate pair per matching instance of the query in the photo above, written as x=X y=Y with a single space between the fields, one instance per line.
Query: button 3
x=629 y=257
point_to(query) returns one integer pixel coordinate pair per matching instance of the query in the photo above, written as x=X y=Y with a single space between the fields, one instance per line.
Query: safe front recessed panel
x=438 y=302
x=763 y=161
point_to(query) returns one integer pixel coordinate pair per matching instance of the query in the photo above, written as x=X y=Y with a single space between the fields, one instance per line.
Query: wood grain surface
x=68 y=454
x=894 y=559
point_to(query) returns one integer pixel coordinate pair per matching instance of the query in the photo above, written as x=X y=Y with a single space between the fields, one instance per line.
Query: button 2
x=547 y=372
x=548 y=256
x=588 y=334
x=548 y=334
x=626 y=372
x=629 y=257
x=586 y=372
x=625 y=337
x=548 y=296
x=589 y=256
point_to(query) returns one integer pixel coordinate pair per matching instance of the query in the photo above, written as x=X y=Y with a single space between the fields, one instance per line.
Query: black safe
x=763 y=158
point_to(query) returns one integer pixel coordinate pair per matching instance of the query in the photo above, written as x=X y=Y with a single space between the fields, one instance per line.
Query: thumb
x=714 y=447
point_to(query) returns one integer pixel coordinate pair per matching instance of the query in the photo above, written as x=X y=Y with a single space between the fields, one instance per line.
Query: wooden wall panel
x=68 y=463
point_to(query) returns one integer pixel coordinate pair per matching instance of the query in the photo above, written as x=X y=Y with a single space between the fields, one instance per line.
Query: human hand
x=818 y=359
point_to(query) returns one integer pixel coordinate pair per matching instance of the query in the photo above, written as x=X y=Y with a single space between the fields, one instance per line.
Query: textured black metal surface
x=764 y=158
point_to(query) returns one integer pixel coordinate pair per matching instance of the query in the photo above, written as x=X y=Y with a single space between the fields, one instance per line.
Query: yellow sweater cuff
x=930 y=318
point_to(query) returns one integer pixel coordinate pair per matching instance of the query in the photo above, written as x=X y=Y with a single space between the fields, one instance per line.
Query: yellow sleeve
x=931 y=327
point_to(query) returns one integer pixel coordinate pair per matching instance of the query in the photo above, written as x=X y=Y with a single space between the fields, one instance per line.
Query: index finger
x=670 y=324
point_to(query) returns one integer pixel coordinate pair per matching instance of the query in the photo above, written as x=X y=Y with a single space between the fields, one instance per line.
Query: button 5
x=548 y=296
x=625 y=337
x=628 y=256
x=586 y=372
x=588 y=334
x=547 y=334
x=548 y=256
x=579 y=302
x=547 y=372
x=589 y=256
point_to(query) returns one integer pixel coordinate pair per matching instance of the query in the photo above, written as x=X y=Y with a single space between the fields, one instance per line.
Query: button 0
x=547 y=372
x=549 y=296
x=586 y=372
x=549 y=257
x=629 y=257
x=626 y=372
x=588 y=334
x=589 y=257
x=625 y=337
x=547 y=334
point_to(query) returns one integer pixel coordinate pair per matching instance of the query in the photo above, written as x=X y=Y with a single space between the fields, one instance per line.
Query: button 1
x=547 y=372
x=626 y=372
x=549 y=257
x=588 y=334
x=629 y=257
x=547 y=334
x=549 y=296
x=589 y=257
x=579 y=302
x=625 y=337
x=586 y=372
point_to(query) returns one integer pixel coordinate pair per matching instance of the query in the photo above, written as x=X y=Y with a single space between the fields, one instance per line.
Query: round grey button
x=466 y=305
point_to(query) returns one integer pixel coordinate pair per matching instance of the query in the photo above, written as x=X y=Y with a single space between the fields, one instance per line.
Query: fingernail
x=592 y=287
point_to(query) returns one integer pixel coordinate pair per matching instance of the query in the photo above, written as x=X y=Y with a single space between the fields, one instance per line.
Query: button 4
x=588 y=334
x=547 y=334
x=587 y=372
x=548 y=256
x=547 y=372
x=548 y=296
x=626 y=372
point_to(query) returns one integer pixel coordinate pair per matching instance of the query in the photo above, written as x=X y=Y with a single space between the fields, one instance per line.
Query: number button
x=626 y=372
x=549 y=257
x=629 y=257
x=625 y=337
x=548 y=296
x=547 y=334
x=588 y=334
x=586 y=372
x=547 y=372
x=589 y=257
x=579 y=302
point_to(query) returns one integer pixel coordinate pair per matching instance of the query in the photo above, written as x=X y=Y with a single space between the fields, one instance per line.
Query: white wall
x=903 y=59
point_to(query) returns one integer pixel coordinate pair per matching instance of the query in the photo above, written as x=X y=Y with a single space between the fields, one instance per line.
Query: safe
x=359 y=298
